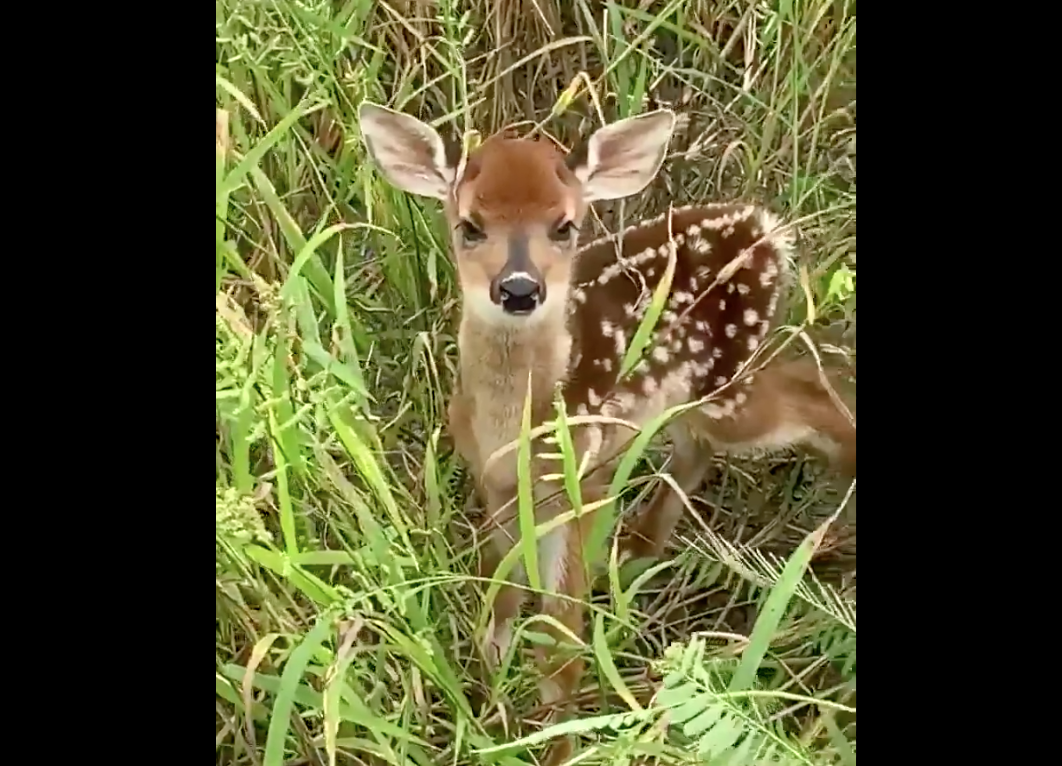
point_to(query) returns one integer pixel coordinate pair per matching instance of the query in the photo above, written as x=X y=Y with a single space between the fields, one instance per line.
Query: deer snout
x=518 y=293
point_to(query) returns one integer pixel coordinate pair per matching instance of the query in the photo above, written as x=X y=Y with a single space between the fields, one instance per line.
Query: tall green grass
x=346 y=615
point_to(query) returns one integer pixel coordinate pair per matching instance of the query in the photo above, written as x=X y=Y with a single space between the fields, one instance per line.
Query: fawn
x=533 y=302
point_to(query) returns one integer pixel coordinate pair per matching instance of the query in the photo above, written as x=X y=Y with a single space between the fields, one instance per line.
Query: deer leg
x=564 y=581
x=510 y=597
x=652 y=527
x=459 y=424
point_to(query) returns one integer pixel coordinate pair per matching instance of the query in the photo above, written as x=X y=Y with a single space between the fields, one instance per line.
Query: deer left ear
x=621 y=159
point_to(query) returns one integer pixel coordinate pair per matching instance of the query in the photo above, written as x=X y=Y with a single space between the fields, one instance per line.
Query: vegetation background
x=345 y=613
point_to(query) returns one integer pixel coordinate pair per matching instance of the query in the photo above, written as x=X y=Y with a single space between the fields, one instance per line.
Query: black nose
x=519 y=295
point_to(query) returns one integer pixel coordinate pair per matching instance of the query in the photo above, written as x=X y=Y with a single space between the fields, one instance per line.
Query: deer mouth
x=520 y=305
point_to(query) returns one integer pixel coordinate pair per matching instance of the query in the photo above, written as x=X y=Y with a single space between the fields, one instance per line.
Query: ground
x=345 y=609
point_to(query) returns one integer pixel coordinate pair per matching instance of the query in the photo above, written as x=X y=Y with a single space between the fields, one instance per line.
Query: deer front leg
x=459 y=424
x=654 y=524
x=564 y=582
x=502 y=532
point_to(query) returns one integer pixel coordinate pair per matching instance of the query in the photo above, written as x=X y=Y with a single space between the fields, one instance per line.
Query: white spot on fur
x=702 y=246
x=579 y=295
x=649 y=385
x=720 y=381
x=725 y=221
x=741 y=398
x=582 y=410
x=753 y=343
x=693 y=231
x=743 y=288
x=770 y=271
x=661 y=355
x=696 y=345
x=722 y=304
x=717 y=353
x=650 y=272
x=730 y=288
x=606 y=364
x=751 y=317
x=607 y=329
x=730 y=330
x=610 y=272
x=592 y=397
x=682 y=296
x=719 y=411
x=621 y=342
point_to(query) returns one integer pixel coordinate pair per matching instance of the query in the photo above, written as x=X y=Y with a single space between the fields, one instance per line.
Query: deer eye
x=562 y=232
x=470 y=233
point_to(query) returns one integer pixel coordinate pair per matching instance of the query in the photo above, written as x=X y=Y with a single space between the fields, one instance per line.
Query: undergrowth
x=346 y=617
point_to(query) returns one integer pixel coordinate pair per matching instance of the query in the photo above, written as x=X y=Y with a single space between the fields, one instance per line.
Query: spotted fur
x=730 y=264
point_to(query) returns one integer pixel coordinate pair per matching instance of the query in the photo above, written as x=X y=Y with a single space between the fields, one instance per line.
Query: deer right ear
x=409 y=154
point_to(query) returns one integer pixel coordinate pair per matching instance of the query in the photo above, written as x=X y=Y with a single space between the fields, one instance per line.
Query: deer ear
x=621 y=159
x=410 y=154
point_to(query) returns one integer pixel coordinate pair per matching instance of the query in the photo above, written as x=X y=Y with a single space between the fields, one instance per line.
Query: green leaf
x=258 y=151
x=284 y=704
x=777 y=602
x=608 y=665
x=526 y=500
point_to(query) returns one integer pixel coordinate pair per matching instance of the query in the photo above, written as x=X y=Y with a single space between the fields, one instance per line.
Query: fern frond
x=765 y=570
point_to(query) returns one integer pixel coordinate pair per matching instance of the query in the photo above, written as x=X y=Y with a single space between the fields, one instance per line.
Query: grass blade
x=284 y=704
x=526 y=500
x=774 y=609
x=608 y=665
x=250 y=160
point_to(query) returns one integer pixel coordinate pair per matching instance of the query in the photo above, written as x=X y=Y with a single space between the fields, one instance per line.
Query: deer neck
x=497 y=358
x=496 y=361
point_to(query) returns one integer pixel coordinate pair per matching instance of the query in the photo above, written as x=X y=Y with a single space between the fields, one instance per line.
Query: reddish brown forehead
x=515 y=179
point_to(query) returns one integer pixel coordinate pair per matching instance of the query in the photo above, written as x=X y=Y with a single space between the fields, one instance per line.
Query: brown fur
x=546 y=193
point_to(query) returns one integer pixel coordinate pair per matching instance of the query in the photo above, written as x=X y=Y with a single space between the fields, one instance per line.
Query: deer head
x=515 y=205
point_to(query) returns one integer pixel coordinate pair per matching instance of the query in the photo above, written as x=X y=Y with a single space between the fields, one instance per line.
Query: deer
x=538 y=311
